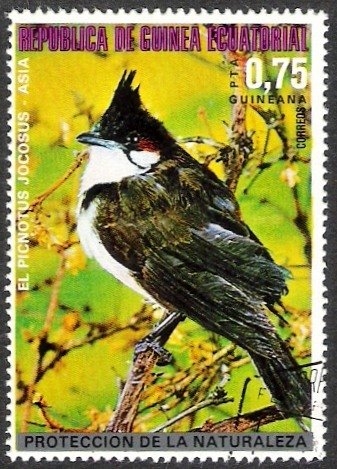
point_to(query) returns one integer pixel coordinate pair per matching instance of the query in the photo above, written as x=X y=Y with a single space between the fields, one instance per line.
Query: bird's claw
x=164 y=357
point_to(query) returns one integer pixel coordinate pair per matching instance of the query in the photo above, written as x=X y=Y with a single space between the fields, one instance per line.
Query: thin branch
x=248 y=421
x=53 y=302
x=80 y=158
x=214 y=400
x=148 y=352
x=182 y=379
x=51 y=422
x=202 y=140
x=240 y=140
x=62 y=351
x=42 y=345
x=301 y=222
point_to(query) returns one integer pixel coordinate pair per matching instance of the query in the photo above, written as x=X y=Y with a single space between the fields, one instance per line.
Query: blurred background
x=77 y=326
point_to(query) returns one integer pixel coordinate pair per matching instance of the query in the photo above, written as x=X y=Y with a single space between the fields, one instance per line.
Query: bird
x=167 y=227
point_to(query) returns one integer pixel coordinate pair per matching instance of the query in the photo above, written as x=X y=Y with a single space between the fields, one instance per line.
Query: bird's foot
x=164 y=357
x=157 y=338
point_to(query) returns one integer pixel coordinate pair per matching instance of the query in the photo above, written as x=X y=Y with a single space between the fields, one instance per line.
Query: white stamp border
x=317 y=20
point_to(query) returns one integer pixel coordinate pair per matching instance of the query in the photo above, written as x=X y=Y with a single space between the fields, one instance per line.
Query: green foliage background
x=189 y=92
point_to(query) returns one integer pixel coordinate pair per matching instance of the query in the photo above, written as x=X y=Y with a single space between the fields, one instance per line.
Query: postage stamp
x=167 y=238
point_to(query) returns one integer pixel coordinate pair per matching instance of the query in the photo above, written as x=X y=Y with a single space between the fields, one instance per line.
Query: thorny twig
x=52 y=423
x=63 y=350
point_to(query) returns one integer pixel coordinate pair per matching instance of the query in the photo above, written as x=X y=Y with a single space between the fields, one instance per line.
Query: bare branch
x=215 y=399
x=140 y=374
x=301 y=222
x=51 y=423
x=89 y=339
x=42 y=345
x=239 y=139
x=80 y=158
x=202 y=140
x=241 y=423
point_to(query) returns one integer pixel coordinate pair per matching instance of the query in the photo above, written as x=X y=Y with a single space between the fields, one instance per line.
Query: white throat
x=106 y=166
x=112 y=165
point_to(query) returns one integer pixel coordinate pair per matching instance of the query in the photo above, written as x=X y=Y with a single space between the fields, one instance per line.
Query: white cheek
x=144 y=158
x=106 y=165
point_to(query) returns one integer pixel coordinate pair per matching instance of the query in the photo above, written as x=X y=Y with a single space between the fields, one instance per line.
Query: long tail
x=286 y=381
x=219 y=281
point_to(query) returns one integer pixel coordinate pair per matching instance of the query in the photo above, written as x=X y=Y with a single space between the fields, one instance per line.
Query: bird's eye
x=132 y=138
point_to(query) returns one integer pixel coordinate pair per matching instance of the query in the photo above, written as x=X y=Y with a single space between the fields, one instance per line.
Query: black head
x=127 y=122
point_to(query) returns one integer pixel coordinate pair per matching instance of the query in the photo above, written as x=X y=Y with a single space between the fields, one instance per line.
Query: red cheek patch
x=147 y=145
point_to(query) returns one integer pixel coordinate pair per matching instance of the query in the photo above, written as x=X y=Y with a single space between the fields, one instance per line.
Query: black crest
x=125 y=104
x=127 y=121
x=126 y=99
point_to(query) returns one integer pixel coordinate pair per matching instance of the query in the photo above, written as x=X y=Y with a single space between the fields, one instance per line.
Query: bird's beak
x=93 y=138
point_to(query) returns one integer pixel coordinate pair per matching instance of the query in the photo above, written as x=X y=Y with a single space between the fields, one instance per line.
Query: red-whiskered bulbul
x=167 y=227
